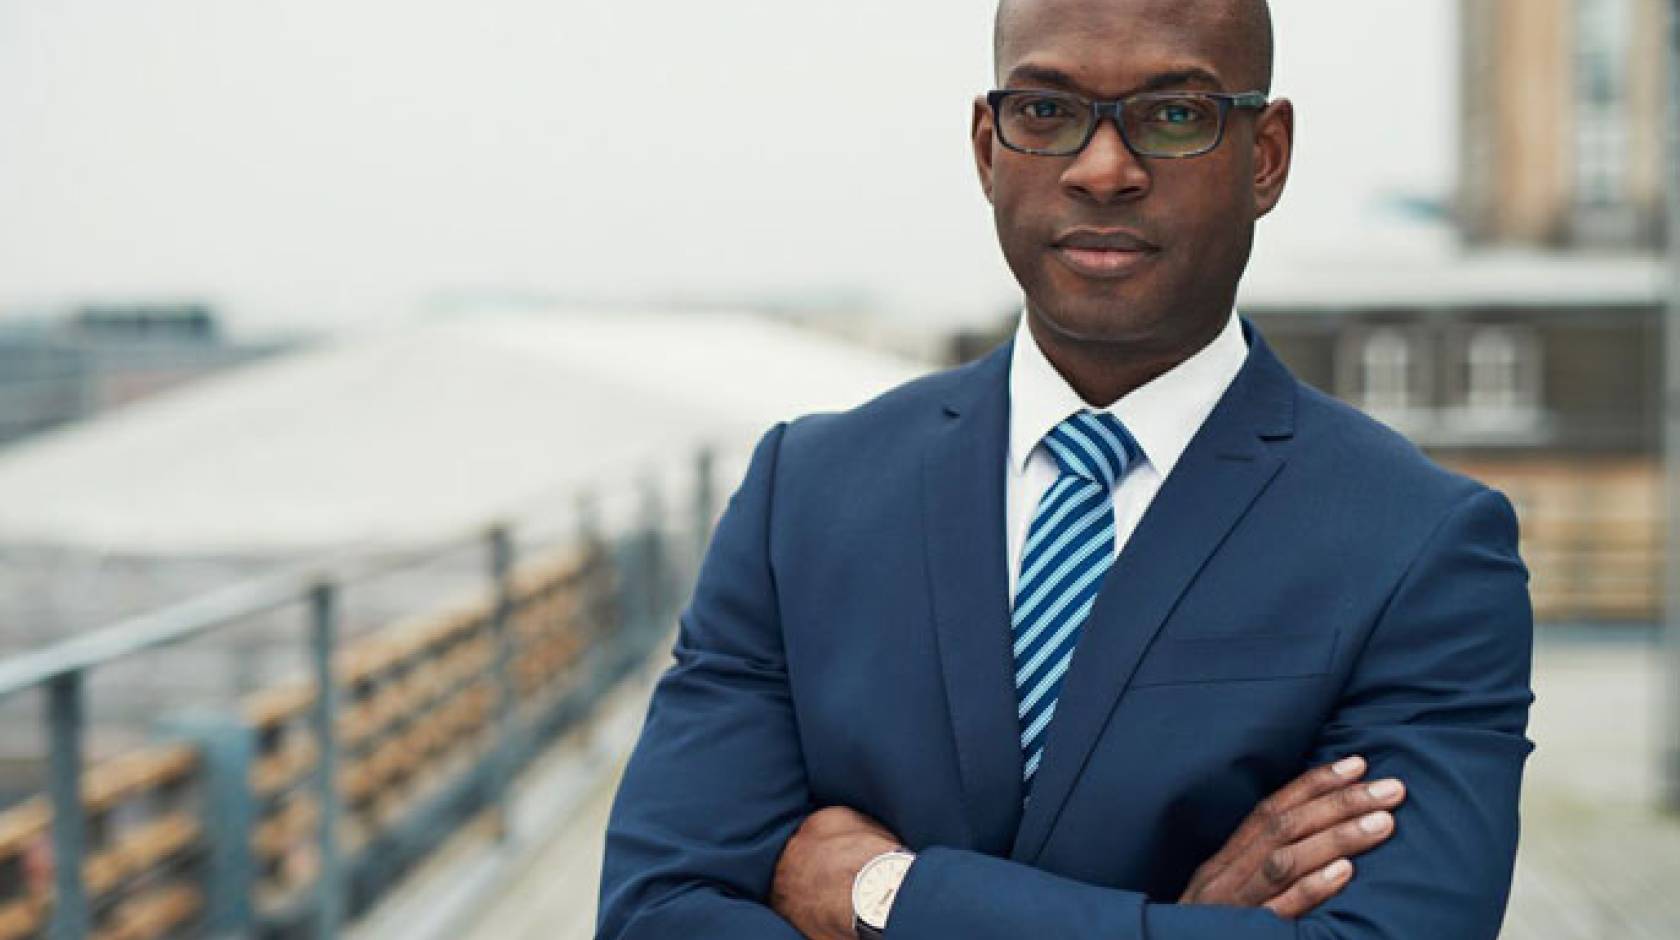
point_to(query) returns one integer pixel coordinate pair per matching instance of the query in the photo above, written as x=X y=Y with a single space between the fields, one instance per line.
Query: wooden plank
x=278 y=705
x=283 y=830
x=103 y=787
x=283 y=768
x=22 y=824
x=22 y=918
x=144 y=848
x=136 y=852
x=154 y=914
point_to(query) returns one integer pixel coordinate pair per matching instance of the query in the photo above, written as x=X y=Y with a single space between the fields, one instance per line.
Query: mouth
x=1103 y=253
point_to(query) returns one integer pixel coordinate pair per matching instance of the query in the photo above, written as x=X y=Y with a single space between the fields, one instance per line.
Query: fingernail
x=1374 y=822
x=1338 y=870
x=1383 y=789
x=1348 y=766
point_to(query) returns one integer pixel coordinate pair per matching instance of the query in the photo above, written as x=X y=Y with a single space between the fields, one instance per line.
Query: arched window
x=1386 y=366
x=1502 y=371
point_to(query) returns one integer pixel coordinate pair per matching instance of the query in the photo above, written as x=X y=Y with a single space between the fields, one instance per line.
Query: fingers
x=1325 y=812
x=1317 y=782
x=1354 y=837
x=1312 y=890
x=1296 y=834
x=1271 y=818
x=1339 y=825
x=1285 y=865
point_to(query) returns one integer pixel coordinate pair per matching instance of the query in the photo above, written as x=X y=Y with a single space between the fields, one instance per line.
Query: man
x=1034 y=648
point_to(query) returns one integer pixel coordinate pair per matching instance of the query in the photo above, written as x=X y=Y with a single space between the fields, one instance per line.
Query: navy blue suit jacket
x=1305 y=586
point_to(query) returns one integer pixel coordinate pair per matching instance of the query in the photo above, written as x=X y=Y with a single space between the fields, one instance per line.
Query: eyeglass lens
x=1156 y=125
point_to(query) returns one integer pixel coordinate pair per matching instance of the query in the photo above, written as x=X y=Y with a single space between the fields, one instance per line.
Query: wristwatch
x=874 y=890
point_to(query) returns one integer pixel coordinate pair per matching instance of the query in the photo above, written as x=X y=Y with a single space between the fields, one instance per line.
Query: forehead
x=1112 y=46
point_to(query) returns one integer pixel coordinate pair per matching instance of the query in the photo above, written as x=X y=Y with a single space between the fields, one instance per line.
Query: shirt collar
x=1163 y=414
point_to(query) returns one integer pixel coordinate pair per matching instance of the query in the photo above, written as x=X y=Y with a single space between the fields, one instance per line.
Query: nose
x=1106 y=170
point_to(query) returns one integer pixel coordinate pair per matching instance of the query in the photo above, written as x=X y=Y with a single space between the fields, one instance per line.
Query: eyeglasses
x=1169 y=124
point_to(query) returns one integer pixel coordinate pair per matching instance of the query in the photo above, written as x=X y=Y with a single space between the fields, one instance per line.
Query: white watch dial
x=877 y=885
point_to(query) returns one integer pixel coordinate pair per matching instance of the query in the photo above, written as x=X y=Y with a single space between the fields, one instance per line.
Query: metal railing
x=287 y=815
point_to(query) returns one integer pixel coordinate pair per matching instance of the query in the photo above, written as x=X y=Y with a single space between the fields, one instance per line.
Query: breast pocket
x=1237 y=658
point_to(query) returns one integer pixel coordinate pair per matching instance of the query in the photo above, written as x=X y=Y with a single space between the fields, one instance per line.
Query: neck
x=1102 y=372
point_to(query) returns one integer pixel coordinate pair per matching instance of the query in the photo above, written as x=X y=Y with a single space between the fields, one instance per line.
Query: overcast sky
x=344 y=162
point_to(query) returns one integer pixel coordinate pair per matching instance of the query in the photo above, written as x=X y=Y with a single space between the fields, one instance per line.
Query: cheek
x=1207 y=209
x=1022 y=218
x=1021 y=189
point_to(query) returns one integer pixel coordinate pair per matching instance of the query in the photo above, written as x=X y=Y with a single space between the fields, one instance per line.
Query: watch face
x=877 y=887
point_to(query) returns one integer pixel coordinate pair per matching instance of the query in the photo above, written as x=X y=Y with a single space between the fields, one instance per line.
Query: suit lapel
x=963 y=504
x=1226 y=466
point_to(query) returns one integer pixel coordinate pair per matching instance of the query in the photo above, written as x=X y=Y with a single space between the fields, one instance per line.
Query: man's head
x=1109 y=246
x=1250 y=19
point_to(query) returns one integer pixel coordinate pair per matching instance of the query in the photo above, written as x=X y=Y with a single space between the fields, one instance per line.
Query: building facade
x=1555 y=400
x=64 y=368
x=1564 y=120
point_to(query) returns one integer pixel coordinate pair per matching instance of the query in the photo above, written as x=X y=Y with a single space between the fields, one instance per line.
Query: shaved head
x=1130 y=258
x=1250 y=22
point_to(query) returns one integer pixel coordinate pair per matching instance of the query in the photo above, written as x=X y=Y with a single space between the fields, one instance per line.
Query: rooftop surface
x=415 y=433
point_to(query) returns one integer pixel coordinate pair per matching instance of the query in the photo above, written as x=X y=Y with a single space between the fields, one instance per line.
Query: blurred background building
x=1531 y=357
x=60 y=368
x=1564 y=117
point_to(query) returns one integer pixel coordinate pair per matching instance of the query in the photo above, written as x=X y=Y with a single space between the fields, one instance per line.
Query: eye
x=1176 y=112
x=1043 y=109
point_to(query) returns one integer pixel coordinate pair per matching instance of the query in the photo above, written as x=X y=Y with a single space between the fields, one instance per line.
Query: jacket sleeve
x=716 y=784
x=1439 y=698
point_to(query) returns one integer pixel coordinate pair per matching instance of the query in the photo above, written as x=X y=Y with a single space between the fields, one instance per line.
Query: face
x=1110 y=247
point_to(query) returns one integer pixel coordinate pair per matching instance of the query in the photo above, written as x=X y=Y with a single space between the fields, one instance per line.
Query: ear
x=980 y=133
x=1274 y=148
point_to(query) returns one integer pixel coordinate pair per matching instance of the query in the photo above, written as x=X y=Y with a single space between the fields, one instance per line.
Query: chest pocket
x=1237 y=658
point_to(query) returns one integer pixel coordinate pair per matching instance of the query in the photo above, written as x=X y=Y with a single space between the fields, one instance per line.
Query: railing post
x=330 y=888
x=653 y=573
x=227 y=748
x=588 y=511
x=705 y=502
x=507 y=699
x=65 y=720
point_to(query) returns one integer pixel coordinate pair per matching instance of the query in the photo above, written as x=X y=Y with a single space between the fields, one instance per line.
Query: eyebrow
x=1161 y=81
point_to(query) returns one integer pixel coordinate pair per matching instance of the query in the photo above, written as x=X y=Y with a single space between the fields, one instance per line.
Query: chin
x=1109 y=319
x=1102 y=310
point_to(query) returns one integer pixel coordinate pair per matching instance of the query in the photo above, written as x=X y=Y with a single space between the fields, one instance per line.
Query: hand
x=1291 y=854
x=812 y=889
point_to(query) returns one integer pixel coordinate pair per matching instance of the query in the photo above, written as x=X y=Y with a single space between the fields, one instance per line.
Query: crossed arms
x=1439 y=698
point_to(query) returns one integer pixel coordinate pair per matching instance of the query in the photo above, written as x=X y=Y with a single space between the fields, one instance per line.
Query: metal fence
x=292 y=813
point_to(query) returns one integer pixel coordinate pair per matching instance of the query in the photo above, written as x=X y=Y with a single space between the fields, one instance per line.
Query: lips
x=1112 y=239
x=1103 y=253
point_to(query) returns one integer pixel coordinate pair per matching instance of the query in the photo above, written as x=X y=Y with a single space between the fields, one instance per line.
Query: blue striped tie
x=1070 y=545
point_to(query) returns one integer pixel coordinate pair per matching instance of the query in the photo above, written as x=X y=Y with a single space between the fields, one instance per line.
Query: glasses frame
x=1227 y=101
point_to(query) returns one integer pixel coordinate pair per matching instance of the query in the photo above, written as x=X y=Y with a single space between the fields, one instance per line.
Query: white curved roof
x=1511 y=278
x=424 y=431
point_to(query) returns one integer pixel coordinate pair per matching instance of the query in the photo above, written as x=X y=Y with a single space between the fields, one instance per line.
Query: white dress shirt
x=1163 y=415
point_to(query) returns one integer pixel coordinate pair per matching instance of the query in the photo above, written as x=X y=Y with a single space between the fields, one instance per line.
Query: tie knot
x=1095 y=446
